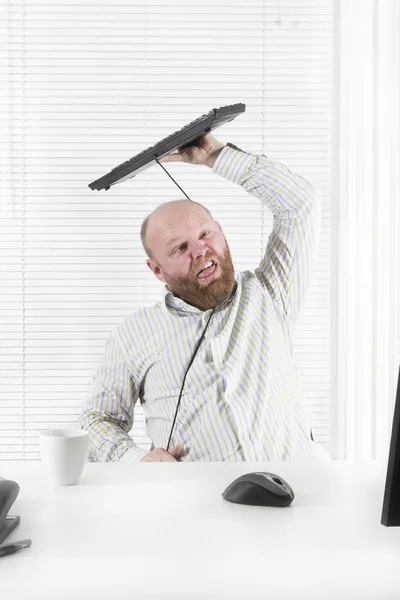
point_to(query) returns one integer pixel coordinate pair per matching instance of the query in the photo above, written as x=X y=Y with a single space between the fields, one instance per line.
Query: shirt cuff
x=134 y=454
x=232 y=163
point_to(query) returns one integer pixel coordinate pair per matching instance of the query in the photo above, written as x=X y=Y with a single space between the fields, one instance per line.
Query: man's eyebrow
x=172 y=242
x=177 y=239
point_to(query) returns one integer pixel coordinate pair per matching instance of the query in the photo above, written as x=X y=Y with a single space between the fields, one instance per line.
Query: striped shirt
x=241 y=400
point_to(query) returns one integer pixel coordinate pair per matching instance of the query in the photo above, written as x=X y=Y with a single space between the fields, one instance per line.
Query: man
x=241 y=399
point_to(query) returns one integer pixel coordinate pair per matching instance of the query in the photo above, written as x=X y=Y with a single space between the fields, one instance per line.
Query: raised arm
x=286 y=267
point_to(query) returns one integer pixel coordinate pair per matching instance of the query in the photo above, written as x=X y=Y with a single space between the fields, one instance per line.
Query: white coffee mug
x=63 y=453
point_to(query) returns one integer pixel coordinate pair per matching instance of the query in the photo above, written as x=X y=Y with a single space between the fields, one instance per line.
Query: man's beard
x=205 y=295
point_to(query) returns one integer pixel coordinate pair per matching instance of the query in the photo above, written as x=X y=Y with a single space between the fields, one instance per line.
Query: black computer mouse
x=259 y=489
x=9 y=490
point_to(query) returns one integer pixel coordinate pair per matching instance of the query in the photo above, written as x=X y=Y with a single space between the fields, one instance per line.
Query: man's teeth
x=209 y=264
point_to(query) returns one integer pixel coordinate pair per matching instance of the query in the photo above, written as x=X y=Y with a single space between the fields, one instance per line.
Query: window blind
x=85 y=86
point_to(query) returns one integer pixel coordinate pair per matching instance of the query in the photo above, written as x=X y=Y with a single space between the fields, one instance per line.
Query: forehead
x=177 y=234
x=178 y=222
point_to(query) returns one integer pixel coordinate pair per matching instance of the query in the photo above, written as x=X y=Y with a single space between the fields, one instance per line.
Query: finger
x=177 y=450
x=147 y=459
x=176 y=157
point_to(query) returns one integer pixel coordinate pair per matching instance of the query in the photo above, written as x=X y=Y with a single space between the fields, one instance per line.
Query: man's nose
x=198 y=249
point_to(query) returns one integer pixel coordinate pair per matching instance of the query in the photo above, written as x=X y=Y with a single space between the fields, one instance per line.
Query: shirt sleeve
x=286 y=266
x=109 y=408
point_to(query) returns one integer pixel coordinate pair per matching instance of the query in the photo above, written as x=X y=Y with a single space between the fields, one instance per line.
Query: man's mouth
x=208 y=269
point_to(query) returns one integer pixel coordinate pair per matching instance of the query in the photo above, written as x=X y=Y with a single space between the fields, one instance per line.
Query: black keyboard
x=176 y=141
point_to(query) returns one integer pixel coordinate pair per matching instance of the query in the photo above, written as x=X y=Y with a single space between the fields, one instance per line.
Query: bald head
x=181 y=239
x=167 y=218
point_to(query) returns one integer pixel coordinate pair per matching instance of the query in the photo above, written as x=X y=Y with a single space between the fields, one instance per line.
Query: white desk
x=163 y=531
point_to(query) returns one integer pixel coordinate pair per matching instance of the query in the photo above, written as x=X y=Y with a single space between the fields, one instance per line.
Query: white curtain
x=87 y=86
x=366 y=251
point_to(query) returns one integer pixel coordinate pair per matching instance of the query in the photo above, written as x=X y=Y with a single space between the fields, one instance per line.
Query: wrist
x=214 y=155
x=134 y=454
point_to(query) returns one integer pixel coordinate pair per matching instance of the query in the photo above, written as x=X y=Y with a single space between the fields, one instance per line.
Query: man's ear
x=153 y=266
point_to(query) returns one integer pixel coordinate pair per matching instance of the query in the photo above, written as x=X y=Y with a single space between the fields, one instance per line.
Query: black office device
x=391 y=500
x=259 y=489
x=9 y=490
x=176 y=141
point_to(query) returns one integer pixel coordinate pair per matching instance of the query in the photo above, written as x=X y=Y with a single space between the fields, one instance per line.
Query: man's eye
x=184 y=245
x=179 y=248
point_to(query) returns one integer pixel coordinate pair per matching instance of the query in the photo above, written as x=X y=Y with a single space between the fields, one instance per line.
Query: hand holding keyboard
x=176 y=141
